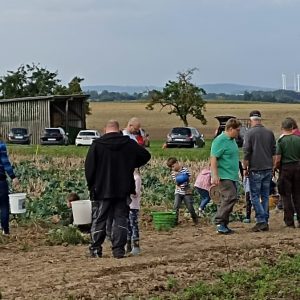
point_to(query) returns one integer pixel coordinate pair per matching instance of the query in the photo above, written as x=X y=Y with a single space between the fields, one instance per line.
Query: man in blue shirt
x=5 y=168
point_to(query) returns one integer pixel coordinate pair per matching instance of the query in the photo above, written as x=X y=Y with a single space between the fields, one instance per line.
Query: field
x=186 y=262
x=158 y=123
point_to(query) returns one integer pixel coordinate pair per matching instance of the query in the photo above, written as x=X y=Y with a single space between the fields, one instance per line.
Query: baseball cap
x=255 y=115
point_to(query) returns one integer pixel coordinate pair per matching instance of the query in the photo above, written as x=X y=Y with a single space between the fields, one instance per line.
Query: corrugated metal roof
x=51 y=98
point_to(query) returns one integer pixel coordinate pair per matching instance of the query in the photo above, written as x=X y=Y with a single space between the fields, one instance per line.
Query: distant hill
x=129 y=89
x=226 y=88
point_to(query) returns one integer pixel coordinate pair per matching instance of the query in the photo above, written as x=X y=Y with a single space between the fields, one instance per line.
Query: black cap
x=255 y=114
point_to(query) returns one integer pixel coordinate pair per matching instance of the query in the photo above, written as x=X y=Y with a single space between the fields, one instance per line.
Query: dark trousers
x=133 y=225
x=117 y=208
x=248 y=206
x=4 y=206
x=290 y=193
x=228 y=191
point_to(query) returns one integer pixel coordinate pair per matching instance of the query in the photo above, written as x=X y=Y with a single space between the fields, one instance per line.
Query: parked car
x=185 y=137
x=19 y=136
x=244 y=128
x=54 y=136
x=86 y=137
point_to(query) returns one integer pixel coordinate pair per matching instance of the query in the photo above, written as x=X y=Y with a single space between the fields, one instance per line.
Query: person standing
x=133 y=127
x=5 y=169
x=288 y=163
x=259 y=159
x=109 y=169
x=224 y=164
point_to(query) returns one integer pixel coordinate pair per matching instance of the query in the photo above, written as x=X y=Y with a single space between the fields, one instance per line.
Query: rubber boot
x=128 y=247
x=136 y=248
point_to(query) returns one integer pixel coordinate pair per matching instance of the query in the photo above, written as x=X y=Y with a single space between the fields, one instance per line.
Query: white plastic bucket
x=17 y=203
x=82 y=212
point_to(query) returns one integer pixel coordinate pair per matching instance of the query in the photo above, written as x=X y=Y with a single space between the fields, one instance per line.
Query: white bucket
x=82 y=212
x=17 y=203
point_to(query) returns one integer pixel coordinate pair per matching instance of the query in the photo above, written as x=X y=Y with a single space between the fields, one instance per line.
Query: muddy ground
x=32 y=270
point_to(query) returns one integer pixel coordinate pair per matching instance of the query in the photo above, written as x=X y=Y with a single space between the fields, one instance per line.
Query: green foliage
x=58 y=183
x=66 y=235
x=181 y=97
x=279 y=281
x=34 y=80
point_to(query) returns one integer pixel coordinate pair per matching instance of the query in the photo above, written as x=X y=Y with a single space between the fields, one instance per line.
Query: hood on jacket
x=113 y=140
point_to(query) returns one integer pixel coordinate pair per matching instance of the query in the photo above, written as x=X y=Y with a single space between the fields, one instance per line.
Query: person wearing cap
x=224 y=160
x=259 y=160
x=288 y=163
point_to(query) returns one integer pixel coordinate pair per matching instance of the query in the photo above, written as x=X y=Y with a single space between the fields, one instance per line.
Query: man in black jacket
x=109 y=168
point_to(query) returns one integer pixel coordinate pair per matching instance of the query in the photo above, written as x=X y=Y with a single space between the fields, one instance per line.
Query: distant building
x=37 y=113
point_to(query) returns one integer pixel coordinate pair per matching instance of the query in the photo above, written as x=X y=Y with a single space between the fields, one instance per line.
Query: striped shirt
x=183 y=188
x=5 y=166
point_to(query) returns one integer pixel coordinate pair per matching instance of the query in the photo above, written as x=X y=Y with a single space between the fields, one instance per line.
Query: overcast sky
x=146 y=42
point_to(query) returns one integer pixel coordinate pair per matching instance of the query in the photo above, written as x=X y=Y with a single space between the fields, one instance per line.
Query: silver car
x=185 y=137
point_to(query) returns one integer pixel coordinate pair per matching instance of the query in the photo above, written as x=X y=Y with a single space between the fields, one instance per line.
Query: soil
x=30 y=269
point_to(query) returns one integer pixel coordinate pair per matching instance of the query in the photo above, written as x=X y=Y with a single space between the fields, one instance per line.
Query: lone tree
x=181 y=97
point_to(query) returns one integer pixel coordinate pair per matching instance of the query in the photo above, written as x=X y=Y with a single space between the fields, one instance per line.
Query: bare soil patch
x=32 y=270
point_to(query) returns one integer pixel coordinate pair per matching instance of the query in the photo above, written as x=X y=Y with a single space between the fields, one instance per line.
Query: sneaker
x=260 y=227
x=222 y=229
x=135 y=251
x=5 y=232
x=200 y=212
x=229 y=230
x=95 y=254
x=246 y=221
x=196 y=220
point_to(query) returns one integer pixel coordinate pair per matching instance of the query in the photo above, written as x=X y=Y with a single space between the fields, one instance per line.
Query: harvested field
x=158 y=123
x=32 y=270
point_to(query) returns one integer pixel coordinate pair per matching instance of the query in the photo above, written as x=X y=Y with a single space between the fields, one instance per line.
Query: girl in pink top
x=202 y=186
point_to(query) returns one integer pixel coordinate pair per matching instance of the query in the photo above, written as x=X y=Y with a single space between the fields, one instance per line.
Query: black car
x=245 y=126
x=54 y=136
x=185 y=137
x=19 y=136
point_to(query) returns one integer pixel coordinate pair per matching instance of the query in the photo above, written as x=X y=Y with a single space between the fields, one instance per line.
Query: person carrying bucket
x=5 y=169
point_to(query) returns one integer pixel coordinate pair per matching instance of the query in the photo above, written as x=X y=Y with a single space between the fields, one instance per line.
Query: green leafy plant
x=66 y=235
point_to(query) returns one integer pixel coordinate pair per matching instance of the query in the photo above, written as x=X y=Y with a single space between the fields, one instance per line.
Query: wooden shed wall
x=33 y=115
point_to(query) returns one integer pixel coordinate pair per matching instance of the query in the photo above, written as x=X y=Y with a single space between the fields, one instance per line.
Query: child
x=202 y=186
x=182 y=189
x=133 y=236
x=246 y=184
x=70 y=198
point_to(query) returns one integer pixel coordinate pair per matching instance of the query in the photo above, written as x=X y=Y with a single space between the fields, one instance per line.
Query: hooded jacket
x=110 y=164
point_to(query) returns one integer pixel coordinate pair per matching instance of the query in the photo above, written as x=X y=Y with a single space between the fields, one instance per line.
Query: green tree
x=181 y=97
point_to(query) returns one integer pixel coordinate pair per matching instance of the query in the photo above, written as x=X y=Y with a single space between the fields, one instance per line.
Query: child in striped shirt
x=183 y=191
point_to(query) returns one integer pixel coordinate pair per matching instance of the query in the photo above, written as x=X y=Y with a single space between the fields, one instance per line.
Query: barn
x=37 y=113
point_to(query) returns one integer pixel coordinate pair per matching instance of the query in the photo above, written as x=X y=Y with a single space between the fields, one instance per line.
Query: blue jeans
x=204 y=195
x=259 y=193
x=133 y=225
x=4 y=206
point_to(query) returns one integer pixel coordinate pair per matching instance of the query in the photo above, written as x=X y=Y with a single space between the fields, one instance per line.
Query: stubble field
x=158 y=123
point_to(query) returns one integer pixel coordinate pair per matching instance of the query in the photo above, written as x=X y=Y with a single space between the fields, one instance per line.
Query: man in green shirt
x=288 y=163
x=224 y=159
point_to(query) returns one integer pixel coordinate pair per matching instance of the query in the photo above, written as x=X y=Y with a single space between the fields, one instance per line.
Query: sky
x=147 y=42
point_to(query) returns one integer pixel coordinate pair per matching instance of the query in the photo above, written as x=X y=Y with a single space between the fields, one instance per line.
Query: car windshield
x=87 y=133
x=52 y=131
x=19 y=131
x=181 y=131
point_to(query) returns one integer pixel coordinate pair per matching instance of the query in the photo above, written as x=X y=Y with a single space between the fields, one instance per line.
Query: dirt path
x=187 y=253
